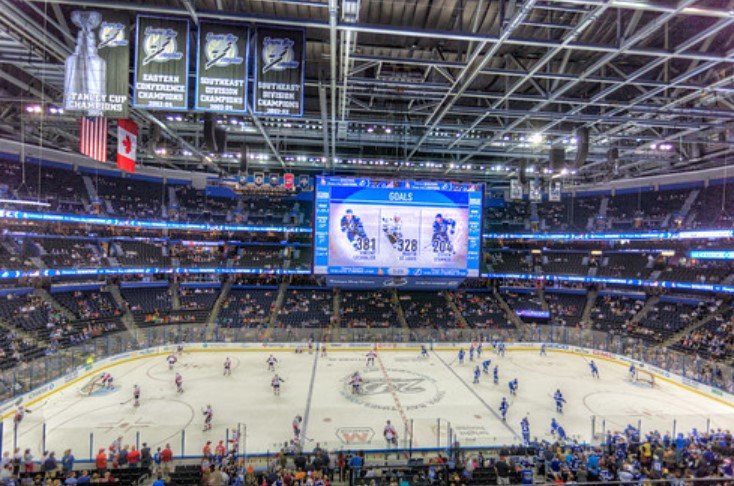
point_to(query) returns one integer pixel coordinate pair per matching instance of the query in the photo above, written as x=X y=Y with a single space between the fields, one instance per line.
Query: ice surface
x=430 y=395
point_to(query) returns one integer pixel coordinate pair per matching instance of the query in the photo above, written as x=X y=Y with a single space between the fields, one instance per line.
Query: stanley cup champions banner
x=96 y=80
x=279 y=69
x=161 y=63
x=221 y=68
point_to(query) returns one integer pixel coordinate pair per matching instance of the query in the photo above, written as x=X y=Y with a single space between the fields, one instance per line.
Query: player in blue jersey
x=558 y=397
x=471 y=352
x=462 y=353
x=513 y=386
x=594 y=369
x=479 y=350
x=501 y=349
x=554 y=426
x=504 y=407
x=542 y=350
x=525 y=428
x=496 y=375
x=424 y=351
x=561 y=433
x=485 y=365
x=477 y=374
x=353 y=227
x=443 y=229
x=632 y=372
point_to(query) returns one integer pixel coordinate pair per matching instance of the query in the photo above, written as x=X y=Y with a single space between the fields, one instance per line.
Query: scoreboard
x=397 y=228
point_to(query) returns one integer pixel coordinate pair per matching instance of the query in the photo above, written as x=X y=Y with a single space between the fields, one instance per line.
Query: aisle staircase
x=336 y=318
x=674 y=338
x=591 y=296
x=650 y=304
x=43 y=294
x=127 y=317
x=211 y=321
x=509 y=313
x=277 y=304
x=398 y=309
x=450 y=296
x=175 y=297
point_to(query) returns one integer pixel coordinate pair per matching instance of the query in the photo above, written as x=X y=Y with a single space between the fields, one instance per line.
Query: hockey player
x=208 y=416
x=471 y=352
x=461 y=355
x=504 y=407
x=390 y=434
x=496 y=375
x=107 y=381
x=477 y=374
x=558 y=397
x=632 y=372
x=513 y=386
x=356 y=382
x=297 y=426
x=554 y=427
x=20 y=414
x=501 y=349
x=310 y=345
x=479 y=350
x=271 y=362
x=179 y=350
x=371 y=357
x=171 y=360
x=275 y=383
x=485 y=365
x=443 y=228
x=227 y=366
x=234 y=441
x=424 y=351
x=542 y=350
x=561 y=433
x=179 y=383
x=352 y=226
x=594 y=369
x=393 y=229
x=525 y=428
x=136 y=396
x=323 y=350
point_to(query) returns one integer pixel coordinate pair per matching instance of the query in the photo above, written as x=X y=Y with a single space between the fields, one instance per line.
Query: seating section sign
x=221 y=68
x=161 y=63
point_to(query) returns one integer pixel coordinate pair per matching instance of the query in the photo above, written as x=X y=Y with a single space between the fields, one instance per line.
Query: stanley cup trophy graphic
x=85 y=83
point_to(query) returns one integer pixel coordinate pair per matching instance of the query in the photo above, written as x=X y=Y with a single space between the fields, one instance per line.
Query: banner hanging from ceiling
x=555 y=192
x=535 y=190
x=161 y=63
x=515 y=189
x=221 y=68
x=96 y=81
x=280 y=60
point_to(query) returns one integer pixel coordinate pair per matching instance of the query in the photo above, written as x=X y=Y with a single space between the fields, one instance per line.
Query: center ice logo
x=413 y=390
x=160 y=45
x=221 y=50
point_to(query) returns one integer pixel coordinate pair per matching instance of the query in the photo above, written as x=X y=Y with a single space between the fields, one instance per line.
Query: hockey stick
x=126 y=401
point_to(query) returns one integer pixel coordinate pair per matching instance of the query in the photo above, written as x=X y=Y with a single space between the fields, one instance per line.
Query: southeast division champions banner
x=279 y=69
x=96 y=80
x=161 y=63
x=221 y=68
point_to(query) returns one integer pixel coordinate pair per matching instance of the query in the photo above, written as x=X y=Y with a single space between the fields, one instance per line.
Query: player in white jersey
x=323 y=350
x=20 y=414
x=208 y=416
x=234 y=441
x=275 y=383
x=271 y=362
x=393 y=229
x=227 y=366
x=297 y=420
x=356 y=382
x=136 y=396
x=310 y=345
x=179 y=349
x=179 y=383
x=171 y=360
x=371 y=358
x=390 y=434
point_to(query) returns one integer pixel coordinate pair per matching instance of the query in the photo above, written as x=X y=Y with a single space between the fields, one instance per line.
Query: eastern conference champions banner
x=221 y=68
x=96 y=80
x=279 y=70
x=397 y=228
x=161 y=63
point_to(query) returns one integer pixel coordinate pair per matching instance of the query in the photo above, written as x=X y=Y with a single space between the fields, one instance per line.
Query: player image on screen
x=352 y=226
x=443 y=230
x=392 y=226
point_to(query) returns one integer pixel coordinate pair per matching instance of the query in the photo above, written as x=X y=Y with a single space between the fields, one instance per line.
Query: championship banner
x=161 y=63
x=96 y=80
x=535 y=191
x=515 y=189
x=555 y=192
x=280 y=59
x=221 y=68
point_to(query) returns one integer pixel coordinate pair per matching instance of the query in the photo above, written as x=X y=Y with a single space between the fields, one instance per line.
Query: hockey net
x=91 y=386
x=644 y=377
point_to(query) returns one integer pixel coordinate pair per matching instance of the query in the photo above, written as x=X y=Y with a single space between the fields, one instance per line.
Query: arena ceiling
x=459 y=89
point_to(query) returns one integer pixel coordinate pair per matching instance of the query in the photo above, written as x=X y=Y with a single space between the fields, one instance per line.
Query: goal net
x=644 y=377
x=91 y=386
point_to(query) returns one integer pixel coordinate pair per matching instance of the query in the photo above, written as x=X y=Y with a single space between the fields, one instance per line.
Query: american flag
x=93 y=137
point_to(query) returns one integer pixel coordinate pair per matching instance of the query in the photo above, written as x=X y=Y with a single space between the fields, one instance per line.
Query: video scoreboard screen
x=407 y=228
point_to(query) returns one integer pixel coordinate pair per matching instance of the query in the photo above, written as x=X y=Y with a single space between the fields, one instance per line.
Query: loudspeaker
x=521 y=173
x=215 y=136
x=557 y=158
x=582 y=147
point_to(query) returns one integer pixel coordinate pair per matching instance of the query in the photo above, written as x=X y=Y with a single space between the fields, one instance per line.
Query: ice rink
x=427 y=393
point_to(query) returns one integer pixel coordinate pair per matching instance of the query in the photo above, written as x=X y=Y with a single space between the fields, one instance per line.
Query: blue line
x=477 y=395
x=310 y=394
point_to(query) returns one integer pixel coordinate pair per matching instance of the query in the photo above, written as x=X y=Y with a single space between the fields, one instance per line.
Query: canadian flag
x=127 y=144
